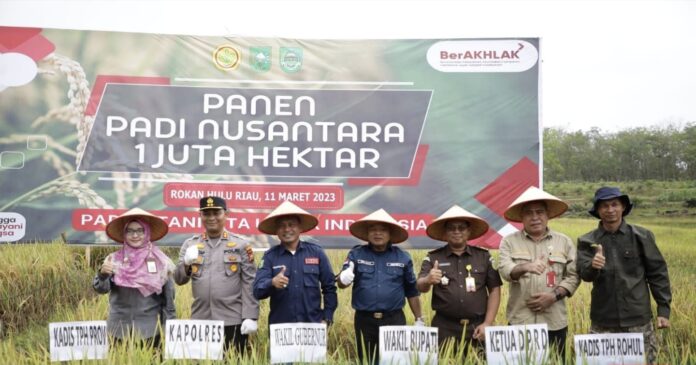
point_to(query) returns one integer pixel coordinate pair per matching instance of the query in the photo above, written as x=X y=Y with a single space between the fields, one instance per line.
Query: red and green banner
x=95 y=123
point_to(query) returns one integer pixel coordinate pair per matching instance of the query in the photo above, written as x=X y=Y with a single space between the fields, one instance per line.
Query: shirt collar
x=449 y=252
x=623 y=228
x=547 y=236
x=389 y=247
x=299 y=247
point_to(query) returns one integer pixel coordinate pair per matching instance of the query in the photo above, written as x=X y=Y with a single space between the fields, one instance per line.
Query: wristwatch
x=559 y=295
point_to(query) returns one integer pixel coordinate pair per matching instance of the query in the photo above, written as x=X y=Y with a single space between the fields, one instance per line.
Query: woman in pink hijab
x=137 y=278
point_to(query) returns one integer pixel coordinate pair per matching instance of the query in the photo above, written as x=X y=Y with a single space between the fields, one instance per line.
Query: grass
x=50 y=283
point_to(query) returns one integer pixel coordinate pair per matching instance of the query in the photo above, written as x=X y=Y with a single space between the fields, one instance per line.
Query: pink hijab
x=133 y=271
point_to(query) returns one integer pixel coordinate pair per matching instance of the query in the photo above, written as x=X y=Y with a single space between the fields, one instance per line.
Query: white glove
x=191 y=255
x=419 y=322
x=249 y=326
x=347 y=275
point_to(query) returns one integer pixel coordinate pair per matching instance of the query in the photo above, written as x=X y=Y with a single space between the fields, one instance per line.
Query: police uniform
x=382 y=282
x=221 y=281
x=310 y=277
x=458 y=310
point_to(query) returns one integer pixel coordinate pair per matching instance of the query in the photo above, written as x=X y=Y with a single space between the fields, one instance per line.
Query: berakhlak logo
x=483 y=56
x=227 y=57
x=260 y=58
x=291 y=59
x=12 y=227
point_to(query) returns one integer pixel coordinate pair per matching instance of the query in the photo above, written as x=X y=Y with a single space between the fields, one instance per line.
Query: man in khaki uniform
x=539 y=263
x=221 y=268
x=466 y=287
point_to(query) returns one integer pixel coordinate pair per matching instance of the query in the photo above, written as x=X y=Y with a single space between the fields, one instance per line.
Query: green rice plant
x=675 y=236
x=36 y=280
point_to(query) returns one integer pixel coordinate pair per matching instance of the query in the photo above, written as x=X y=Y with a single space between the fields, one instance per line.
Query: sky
x=607 y=64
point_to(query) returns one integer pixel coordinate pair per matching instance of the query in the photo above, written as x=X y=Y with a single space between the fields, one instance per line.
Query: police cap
x=213 y=202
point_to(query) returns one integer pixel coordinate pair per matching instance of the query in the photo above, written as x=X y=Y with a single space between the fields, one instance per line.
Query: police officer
x=221 y=268
x=466 y=287
x=295 y=274
x=382 y=276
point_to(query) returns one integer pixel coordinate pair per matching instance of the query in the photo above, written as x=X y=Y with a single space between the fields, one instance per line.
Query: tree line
x=659 y=153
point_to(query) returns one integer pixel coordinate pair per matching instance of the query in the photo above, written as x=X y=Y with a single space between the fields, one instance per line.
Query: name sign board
x=194 y=339
x=298 y=342
x=78 y=340
x=610 y=348
x=408 y=345
x=522 y=344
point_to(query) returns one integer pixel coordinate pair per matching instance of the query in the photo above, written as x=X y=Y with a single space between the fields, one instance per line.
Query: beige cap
x=287 y=208
x=359 y=228
x=554 y=206
x=477 y=226
x=158 y=228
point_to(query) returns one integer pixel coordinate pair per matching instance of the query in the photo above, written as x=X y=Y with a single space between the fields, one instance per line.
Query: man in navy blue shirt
x=295 y=274
x=383 y=279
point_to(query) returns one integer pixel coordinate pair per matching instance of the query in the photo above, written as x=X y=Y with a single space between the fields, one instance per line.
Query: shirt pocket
x=232 y=262
x=631 y=261
x=367 y=271
x=395 y=272
x=311 y=275
x=519 y=258
x=558 y=264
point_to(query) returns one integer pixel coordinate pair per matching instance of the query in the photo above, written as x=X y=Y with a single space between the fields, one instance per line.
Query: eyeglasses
x=452 y=228
x=137 y=232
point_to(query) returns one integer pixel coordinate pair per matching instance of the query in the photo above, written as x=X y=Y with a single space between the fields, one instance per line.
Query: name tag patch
x=442 y=264
x=311 y=261
x=371 y=263
x=395 y=264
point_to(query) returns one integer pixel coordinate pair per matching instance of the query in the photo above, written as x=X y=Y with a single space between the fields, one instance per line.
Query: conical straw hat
x=477 y=226
x=554 y=206
x=307 y=221
x=359 y=228
x=158 y=228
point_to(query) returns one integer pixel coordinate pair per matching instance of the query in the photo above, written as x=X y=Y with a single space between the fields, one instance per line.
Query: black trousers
x=233 y=335
x=558 y=339
x=367 y=332
x=452 y=330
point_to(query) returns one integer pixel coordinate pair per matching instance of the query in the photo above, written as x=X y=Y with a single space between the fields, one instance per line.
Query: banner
x=297 y=343
x=96 y=123
x=87 y=340
x=194 y=339
x=408 y=345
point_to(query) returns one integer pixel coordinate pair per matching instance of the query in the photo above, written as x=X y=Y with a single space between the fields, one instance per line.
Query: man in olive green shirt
x=539 y=263
x=625 y=266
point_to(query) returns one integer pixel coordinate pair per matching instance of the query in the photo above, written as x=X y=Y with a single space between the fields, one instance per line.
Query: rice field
x=52 y=283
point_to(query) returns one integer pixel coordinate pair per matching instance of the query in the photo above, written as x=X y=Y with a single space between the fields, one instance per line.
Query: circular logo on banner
x=12 y=226
x=226 y=57
x=290 y=59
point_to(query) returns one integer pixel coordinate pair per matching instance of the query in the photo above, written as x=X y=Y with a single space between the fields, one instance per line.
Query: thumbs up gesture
x=280 y=281
x=107 y=267
x=599 y=260
x=435 y=274
x=346 y=276
x=191 y=255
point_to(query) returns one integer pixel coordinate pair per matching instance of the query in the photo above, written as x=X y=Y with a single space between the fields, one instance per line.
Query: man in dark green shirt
x=625 y=266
